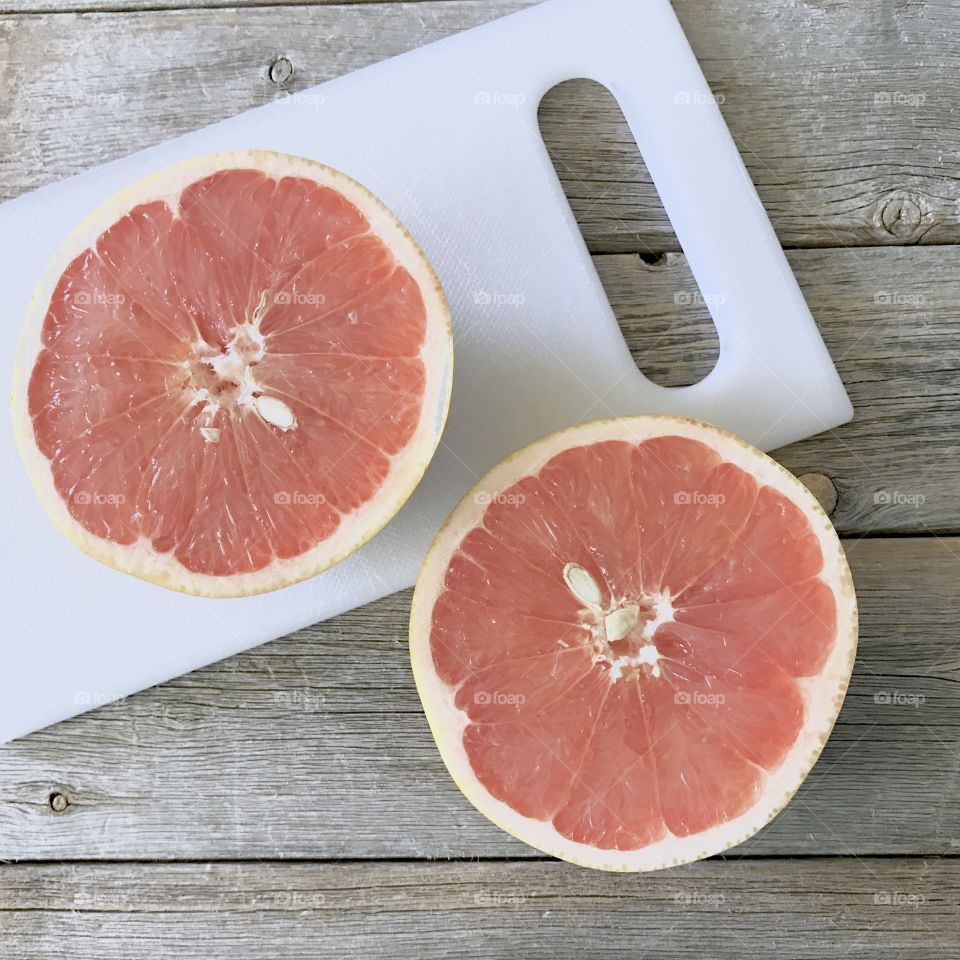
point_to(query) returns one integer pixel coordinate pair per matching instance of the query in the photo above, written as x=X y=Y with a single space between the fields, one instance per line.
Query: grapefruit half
x=234 y=373
x=631 y=641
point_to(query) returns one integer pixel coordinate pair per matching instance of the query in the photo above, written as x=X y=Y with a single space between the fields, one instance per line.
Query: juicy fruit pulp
x=231 y=371
x=628 y=636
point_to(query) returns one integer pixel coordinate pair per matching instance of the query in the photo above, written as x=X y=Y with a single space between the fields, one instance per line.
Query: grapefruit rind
x=825 y=692
x=140 y=559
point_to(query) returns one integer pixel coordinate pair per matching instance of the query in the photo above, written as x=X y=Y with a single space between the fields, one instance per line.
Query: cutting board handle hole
x=664 y=318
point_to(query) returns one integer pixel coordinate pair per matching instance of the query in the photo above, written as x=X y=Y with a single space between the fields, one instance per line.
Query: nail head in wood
x=281 y=70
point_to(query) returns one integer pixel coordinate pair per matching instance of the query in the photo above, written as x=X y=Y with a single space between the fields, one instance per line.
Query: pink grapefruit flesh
x=632 y=640
x=234 y=374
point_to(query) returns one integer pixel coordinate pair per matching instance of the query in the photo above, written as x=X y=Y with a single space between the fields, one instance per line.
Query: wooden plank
x=849 y=134
x=22 y=7
x=316 y=746
x=891 y=319
x=799 y=909
x=109 y=84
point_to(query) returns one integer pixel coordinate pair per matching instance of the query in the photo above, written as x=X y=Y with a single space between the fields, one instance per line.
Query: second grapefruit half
x=632 y=640
x=235 y=372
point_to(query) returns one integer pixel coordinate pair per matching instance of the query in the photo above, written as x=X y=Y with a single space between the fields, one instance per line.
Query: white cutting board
x=448 y=137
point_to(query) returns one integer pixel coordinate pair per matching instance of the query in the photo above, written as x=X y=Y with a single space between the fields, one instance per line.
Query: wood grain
x=21 y=7
x=838 y=112
x=891 y=319
x=802 y=909
x=316 y=746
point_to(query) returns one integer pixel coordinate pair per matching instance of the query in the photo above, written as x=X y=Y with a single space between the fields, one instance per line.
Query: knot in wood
x=899 y=216
x=823 y=488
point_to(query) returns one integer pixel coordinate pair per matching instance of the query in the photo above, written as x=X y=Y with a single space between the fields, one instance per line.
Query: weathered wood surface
x=316 y=746
x=90 y=6
x=845 y=117
x=891 y=319
x=843 y=908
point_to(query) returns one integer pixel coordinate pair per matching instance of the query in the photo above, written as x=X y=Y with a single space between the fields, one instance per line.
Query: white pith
x=823 y=694
x=407 y=467
x=617 y=621
x=235 y=367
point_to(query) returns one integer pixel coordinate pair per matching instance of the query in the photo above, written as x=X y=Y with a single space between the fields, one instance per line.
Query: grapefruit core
x=631 y=641
x=234 y=374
